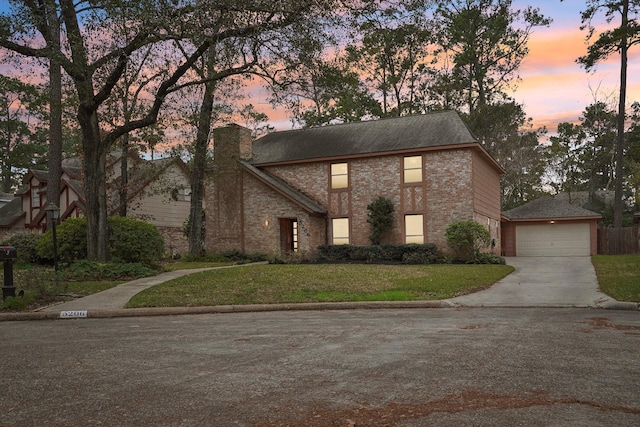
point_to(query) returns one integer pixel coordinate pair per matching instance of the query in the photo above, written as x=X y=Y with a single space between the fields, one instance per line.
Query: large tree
x=21 y=143
x=581 y=156
x=618 y=39
x=94 y=43
x=486 y=41
x=507 y=134
x=321 y=91
x=391 y=46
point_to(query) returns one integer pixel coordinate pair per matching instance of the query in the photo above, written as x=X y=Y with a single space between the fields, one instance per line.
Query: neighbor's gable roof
x=11 y=213
x=547 y=208
x=285 y=190
x=439 y=129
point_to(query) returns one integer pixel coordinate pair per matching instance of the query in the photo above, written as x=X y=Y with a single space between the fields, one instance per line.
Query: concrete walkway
x=118 y=296
x=542 y=282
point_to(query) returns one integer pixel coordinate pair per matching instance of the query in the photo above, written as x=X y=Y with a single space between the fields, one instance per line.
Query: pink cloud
x=554 y=88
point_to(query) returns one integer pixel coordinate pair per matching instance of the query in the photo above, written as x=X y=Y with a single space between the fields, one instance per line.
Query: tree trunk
x=619 y=175
x=6 y=158
x=54 y=161
x=94 y=186
x=199 y=162
x=124 y=175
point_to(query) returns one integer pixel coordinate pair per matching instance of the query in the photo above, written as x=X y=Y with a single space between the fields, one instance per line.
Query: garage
x=553 y=239
x=548 y=227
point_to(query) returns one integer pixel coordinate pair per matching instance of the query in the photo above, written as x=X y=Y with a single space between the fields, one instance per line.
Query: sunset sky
x=553 y=88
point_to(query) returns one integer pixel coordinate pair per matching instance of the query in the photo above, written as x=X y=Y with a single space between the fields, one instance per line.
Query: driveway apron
x=542 y=281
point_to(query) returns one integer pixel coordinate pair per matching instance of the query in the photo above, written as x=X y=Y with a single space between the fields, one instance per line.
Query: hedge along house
x=550 y=227
x=295 y=190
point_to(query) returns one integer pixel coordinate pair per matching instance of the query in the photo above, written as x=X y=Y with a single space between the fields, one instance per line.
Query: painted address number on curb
x=73 y=314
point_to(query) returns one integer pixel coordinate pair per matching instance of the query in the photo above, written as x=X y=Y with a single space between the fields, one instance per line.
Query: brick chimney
x=224 y=189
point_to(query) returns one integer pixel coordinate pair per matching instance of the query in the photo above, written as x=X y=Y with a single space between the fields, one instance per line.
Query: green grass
x=270 y=284
x=619 y=276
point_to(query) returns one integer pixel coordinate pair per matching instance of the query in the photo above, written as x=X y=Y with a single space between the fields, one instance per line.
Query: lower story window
x=414 y=228
x=340 y=228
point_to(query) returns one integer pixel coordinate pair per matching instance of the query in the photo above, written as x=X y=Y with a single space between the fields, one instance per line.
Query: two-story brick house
x=296 y=190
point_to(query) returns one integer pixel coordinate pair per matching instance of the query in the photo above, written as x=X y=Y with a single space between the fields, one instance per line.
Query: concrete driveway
x=541 y=282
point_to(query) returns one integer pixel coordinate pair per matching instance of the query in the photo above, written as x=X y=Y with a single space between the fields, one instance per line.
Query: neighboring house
x=295 y=190
x=11 y=219
x=5 y=198
x=11 y=216
x=158 y=192
x=550 y=227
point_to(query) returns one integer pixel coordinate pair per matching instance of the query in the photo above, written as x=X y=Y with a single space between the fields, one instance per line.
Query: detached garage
x=548 y=227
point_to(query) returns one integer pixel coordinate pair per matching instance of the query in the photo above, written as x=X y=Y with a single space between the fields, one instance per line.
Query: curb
x=219 y=309
x=254 y=308
x=620 y=305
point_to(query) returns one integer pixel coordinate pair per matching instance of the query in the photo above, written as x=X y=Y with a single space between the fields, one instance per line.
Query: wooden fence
x=618 y=241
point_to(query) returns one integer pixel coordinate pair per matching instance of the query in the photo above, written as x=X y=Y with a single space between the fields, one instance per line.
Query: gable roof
x=11 y=212
x=284 y=189
x=549 y=208
x=6 y=197
x=439 y=129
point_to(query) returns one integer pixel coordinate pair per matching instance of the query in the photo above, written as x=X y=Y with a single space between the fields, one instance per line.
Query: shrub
x=91 y=270
x=239 y=256
x=71 y=235
x=466 y=239
x=380 y=218
x=334 y=252
x=206 y=257
x=408 y=254
x=484 y=258
x=26 y=245
x=132 y=240
x=421 y=254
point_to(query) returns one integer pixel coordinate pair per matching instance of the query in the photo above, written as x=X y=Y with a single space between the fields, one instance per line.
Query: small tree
x=380 y=218
x=466 y=239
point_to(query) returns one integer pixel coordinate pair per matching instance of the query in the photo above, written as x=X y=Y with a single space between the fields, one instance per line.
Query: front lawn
x=619 y=276
x=271 y=284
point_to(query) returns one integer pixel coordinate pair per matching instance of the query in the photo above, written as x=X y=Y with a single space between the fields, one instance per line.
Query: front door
x=288 y=235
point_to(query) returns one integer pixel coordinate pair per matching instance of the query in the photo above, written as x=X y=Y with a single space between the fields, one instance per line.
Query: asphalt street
x=410 y=367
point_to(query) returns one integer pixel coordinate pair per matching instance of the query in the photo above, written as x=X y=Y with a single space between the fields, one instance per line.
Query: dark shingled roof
x=395 y=134
x=11 y=212
x=286 y=190
x=548 y=208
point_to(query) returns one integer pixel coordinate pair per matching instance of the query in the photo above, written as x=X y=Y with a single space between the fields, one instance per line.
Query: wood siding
x=486 y=199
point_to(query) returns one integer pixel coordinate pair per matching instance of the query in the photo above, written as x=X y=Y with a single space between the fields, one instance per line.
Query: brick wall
x=449 y=192
x=446 y=195
x=263 y=209
x=175 y=242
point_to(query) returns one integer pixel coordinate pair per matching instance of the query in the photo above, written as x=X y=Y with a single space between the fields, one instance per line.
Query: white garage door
x=553 y=240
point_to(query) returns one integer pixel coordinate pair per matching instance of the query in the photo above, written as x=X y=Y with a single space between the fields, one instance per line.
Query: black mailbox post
x=8 y=254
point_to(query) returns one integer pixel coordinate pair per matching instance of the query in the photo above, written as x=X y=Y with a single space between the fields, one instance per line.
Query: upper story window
x=35 y=196
x=413 y=169
x=339 y=175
